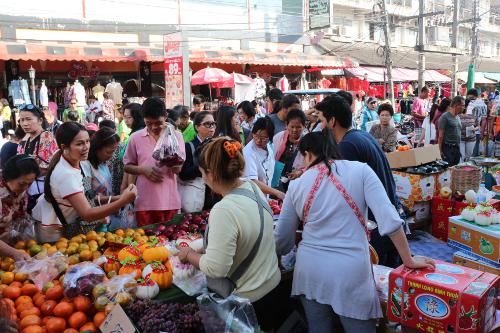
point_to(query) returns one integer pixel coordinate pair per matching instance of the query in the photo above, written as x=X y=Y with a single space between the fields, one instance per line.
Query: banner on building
x=174 y=69
x=319 y=14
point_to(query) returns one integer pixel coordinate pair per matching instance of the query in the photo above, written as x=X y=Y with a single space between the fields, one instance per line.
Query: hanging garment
x=79 y=92
x=19 y=91
x=98 y=92
x=260 y=88
x=44 y=95
x=115 y=91
x=283 y=84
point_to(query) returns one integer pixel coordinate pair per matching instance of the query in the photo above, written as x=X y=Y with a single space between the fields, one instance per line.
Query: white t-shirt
x=430 y=131
x=65 y=182
x=259 y=163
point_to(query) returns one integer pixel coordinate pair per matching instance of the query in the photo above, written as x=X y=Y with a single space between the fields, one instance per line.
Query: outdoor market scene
x=250 y=166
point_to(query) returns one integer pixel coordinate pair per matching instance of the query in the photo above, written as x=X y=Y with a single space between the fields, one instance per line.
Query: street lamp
x=31 y=73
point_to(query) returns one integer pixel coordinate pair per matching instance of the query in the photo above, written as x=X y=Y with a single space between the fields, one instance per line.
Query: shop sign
x=319 y=14
x=174 y=71
x=81 y=71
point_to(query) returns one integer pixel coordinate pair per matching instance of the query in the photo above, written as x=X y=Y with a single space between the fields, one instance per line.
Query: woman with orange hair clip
x=239 y=242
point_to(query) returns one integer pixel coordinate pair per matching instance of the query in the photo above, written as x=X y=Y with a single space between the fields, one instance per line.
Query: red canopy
x=209 y=75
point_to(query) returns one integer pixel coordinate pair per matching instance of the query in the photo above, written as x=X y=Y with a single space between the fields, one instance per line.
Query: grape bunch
x=152 y=317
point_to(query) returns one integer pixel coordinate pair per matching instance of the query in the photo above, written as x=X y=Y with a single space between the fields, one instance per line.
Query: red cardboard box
x=449 y=299
x=440 y=227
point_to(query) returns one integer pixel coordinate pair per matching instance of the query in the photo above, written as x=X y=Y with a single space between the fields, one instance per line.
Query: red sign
x=80 y=70
x=173 y=61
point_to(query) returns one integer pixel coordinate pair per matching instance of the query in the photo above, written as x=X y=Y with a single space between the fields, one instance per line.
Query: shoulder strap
x=243 y=266
x=191 y=145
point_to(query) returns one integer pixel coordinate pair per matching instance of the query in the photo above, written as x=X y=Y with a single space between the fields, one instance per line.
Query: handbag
x=224 y=287
x=192 y=192
x=52 y=233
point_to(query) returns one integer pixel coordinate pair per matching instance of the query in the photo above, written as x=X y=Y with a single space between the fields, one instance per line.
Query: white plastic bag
x=192 y=194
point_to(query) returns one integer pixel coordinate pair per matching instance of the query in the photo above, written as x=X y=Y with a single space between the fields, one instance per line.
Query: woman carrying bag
x=333 y=273
x=239 y=256
x=194 y=194
x=65 y=209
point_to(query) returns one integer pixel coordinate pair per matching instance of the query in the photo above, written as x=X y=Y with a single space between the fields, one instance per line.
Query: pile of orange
x=403 y=148
x=48 y=311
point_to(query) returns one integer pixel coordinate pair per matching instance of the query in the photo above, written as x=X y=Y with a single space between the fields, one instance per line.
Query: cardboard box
x=449 y=299
x=466 y=260
x=414 y=188
x=482 y=242
x=447 y=207
x=440 y=227
x=117 y=321
x=414 y=157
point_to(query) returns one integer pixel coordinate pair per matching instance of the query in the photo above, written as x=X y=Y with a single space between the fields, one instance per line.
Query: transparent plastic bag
x=231 y=314
x=381 y=276
x=119 y=289
x=21 y=229
x=167 y=150
x=190 y=280
x=81 y=278
x=42 y=269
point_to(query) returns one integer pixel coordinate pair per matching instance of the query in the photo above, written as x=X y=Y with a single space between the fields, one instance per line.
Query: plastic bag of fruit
x=80 y=279
x=119 y=289
x=167 y=150
x=21 y=229
x=190 y=280
x=231 y=314
x=42 y=268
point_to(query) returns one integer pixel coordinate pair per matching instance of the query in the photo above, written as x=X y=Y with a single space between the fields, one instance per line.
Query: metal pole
x=33 y=94
x=421 y=41
x=454 y=43
x=474 y=35
x=388 y=59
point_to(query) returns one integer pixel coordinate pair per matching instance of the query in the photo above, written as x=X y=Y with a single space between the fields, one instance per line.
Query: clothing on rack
x=44 y=95
x=283 y=84
x=115 y=91
x=98 y=92
x=19 y=91
x=260 y=87
x=79 y=94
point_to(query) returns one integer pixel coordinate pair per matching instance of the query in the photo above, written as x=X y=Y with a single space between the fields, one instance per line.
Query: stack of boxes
x=442 y=210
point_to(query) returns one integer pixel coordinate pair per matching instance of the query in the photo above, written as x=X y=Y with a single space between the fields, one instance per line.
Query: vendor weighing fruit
x=19 y=173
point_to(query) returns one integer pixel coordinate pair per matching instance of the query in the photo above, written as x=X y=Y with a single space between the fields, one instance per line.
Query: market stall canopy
x=210 y=75
x=105 y=52
x=479 y=78
x=492 y=76
x=236 y=78
x=376 y=74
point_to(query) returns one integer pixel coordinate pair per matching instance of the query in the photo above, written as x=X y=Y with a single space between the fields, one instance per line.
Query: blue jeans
x=476 y=147
x=320 y=319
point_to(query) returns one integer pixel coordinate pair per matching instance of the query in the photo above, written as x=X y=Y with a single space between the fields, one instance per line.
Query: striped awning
x=86 y=52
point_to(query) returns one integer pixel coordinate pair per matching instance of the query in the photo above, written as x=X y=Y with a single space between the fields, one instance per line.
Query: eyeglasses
x=31 y=107
x=261 y=138
x=209 y=124
x=374 y=102
x=72 y=103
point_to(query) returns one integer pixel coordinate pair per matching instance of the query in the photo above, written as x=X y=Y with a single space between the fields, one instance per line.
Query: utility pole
x=454 y=43
x=387 y=50
x=474 y=34
x=421 y=41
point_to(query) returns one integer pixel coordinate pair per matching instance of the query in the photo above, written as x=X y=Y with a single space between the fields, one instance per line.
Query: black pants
x=386 y=251
x=451 y=154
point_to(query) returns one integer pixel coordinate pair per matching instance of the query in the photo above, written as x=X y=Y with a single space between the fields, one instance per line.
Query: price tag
x=117 y=322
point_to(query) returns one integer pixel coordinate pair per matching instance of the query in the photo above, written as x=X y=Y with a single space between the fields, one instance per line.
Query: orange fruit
x=77 y=320
x=85 y=255
x=8 y=277
x=99 y=318
x=30 y=320
x=55 y=293
x=55 y=325
x=83 y=304
x=64 y=309
x=12 y=292
x=33 y=329
x=16 y=284
x=24 y=306
x=88 y=327
x=40 y=300
x=20 y=277
x=31 y=311
x=47 y=308
x=23 y=299
x=70 y=330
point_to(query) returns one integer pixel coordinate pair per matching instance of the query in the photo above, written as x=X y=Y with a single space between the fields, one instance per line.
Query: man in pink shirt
x=420 y=110
x=158 y=199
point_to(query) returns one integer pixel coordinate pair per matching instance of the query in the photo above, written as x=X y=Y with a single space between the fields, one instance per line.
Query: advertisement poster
x=173 y=61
